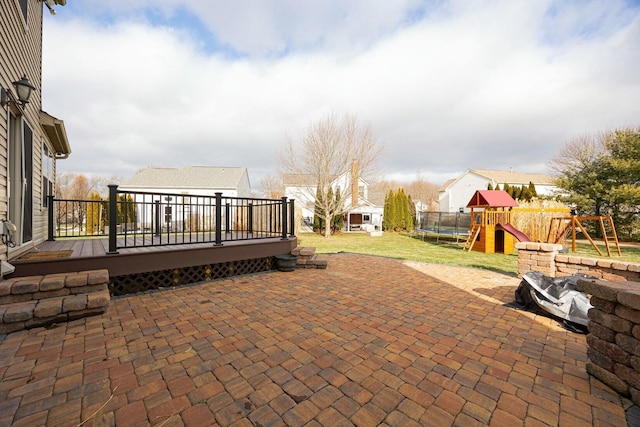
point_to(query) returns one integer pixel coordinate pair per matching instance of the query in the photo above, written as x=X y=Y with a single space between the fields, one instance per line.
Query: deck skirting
x=167 y=278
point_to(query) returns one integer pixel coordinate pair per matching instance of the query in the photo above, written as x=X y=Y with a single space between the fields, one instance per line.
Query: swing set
x=559 y=227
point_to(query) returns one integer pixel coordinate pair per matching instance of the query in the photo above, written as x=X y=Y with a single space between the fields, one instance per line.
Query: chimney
x=354 y=183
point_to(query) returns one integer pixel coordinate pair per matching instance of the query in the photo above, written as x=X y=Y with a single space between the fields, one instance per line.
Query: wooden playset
x=491 y=230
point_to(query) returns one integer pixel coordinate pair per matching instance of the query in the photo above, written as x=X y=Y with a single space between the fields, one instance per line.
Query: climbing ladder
x=609 y=234
x=473 y=235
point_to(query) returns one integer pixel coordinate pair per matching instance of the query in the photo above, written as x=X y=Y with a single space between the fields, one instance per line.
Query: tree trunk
x=327 y=226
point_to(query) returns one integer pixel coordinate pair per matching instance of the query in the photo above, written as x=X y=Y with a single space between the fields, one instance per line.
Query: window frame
x=46 y=168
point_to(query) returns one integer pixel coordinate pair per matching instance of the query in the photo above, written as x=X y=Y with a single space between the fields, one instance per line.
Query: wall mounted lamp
x=51 y=3
x=23 y=88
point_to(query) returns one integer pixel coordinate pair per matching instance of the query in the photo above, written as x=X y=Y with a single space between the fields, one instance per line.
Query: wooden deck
x=92 y=254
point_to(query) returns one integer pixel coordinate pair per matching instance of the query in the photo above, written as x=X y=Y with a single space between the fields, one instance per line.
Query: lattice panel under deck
x=142 y=282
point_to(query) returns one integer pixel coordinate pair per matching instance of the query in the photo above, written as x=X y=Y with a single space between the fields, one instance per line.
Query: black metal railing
x=133 y=219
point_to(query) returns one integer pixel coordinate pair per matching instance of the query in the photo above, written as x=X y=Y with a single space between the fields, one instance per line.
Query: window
x=23 y=8
x=20 y=171
x=47 y=175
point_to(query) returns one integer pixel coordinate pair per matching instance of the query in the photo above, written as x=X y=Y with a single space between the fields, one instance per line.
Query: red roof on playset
x=491 y=199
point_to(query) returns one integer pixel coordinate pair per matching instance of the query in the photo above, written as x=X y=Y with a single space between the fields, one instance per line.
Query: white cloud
x=483 y=84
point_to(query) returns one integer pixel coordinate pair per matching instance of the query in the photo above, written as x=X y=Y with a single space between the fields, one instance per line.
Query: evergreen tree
x=338 y=219
x=497 y=187
x=401 y=210
x=490 y=186
x=95 y=214
x=507 y=188
x=389 y=211
x=532 y=190
x=524 y=193
x=516 y=193
x=412 y=215
x=318 y=216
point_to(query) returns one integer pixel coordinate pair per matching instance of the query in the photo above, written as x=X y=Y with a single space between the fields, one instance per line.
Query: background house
x=30 y=140
x=455 y=193
x=360 y=211
x=184 y=194
x=200 y=180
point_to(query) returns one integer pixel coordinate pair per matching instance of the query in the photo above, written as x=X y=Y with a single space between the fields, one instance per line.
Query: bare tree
x=79 y=191
x=326 y=154
x=272 y=187
x=63 y=185
x=579 y=152
x=420 y=190
x=423 y=191
x=100 y=184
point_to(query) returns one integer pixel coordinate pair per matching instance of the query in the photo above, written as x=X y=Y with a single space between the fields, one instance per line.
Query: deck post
x=250 y=219
x=113 y=220
x=292 y=219
x=157 y=217
x=284 y=218
x=218 y=220
x=50 y=225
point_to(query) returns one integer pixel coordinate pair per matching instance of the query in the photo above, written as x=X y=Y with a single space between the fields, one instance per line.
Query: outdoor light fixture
x=51 y=3
x=23 y=88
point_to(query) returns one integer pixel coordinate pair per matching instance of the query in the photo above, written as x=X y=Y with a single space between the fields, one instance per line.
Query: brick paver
x=368 y=341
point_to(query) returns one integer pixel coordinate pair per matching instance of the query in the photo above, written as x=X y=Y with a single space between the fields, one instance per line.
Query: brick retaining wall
x=29 y=302
x=613 y=342
x=547 y=259
x=614 y=335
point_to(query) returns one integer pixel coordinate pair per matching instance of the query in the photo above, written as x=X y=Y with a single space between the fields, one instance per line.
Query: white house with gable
x=184 y=194
x=455 y=194
x=360 y=211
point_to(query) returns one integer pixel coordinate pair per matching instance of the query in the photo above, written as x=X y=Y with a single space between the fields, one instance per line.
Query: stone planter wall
x=547 y=259
x=614 y=335
x=29 y=302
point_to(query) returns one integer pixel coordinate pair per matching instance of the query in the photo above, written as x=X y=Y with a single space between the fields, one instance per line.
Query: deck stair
x=307 y=258
x=35 y=301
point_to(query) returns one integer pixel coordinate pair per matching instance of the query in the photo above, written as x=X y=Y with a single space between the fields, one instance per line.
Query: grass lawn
x=403 y=246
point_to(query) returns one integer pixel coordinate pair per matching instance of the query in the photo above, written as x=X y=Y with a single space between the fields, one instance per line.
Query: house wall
x=458 y=194
x=305 y=196
x=226 y=192
x=244 y=186
x=21 y=53
x=304 y=200
x=182 y=210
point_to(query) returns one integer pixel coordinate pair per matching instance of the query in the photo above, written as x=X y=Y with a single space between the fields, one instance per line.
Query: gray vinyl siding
x=21 y=53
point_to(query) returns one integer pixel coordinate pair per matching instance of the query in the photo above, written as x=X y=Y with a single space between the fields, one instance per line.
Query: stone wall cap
x=550 y=247
x=630 y=297
x=605 y=289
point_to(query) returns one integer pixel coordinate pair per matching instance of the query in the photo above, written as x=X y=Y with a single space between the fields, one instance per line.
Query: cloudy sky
x=445 y=85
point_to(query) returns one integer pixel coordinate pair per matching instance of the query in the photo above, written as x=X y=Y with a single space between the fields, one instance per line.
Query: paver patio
x=368 y=341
